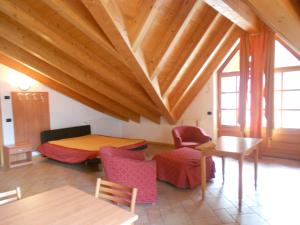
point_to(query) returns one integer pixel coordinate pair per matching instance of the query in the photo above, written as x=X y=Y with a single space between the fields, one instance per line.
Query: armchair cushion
x=128 y=168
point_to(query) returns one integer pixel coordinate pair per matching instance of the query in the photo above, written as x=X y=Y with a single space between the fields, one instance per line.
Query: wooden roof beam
x=58 y=76
x=24 y=39
x=106 y=13
x=148 y=20
x=56 y=86
x=67 y=44
x=282 y=17
x=238 y=12
x=73 y=12
x=196 y=8
x=188 y=96
x=199 y=57
x=201 y=19
x=177 y=20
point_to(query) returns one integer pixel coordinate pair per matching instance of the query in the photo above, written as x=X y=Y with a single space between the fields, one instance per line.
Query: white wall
x=195 y=114
x=64 y=111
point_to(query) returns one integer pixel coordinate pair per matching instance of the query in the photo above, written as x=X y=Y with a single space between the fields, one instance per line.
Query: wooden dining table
x=64 y=205
x=233 y=147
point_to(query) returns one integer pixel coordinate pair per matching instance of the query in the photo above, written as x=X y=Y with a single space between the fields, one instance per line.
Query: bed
x=77 y=144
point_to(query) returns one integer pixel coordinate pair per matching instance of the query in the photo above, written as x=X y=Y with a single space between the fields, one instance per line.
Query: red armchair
x=189 y=136
x=130 y=168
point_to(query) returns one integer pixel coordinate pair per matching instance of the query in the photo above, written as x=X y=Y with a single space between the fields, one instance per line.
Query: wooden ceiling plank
x=197 y=6
x=198 y=58
x=5 y=60
x=67 y=9
x=135 y=14
x=46 y=52
x=282 y=17
x=171 y=32
x=105 y=14
x=78 y=52
x=58 y=76
x=238 y=12
x=223 y=49
x=176 y=61
x=148 y=20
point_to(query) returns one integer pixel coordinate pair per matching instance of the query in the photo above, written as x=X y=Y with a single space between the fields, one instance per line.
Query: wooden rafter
x=56 y=86
x=58 y=76
x=187 y=97
x=282 y=17
x=150 y=16
x=238 y=12
x=43 y=50
x=66 y=43
x=199 y=57
x=201 y=19
x=182 y=10
x=75 y=14
x=109 y=19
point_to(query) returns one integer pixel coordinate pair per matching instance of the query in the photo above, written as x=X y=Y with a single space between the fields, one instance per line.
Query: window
x=286 y=88
x=229 y=91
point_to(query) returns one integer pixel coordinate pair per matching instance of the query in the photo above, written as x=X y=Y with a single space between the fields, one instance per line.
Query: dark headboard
x=51 y=135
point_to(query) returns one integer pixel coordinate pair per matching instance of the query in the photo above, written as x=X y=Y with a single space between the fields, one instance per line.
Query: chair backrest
x=117 y=193
x=10 y=196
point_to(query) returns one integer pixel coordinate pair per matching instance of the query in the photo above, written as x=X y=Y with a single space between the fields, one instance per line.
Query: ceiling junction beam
x=67 y=44
x=282 y=16
x=108 y=16
x=237 y=12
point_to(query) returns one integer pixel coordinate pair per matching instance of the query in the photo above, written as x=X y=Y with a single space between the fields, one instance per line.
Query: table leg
x=223 y=168
x=256 y=155
x=240 y=181
x=203 y=176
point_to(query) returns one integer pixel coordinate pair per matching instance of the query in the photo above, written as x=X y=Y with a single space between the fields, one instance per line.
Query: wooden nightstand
x=17 y=149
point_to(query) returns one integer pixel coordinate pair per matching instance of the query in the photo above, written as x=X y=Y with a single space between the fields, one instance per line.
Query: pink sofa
x=189 y=136
x=130 y=168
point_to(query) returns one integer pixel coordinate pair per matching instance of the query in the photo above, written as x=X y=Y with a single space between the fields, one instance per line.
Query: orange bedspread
x=95 y=142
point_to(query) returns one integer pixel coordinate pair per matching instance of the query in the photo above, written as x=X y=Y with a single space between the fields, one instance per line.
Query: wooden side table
x=17 y=149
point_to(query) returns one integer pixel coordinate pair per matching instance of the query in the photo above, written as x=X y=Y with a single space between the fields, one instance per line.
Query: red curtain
x=244 y=77
x=262 y=64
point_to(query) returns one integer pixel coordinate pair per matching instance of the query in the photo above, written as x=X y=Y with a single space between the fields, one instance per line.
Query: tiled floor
x=276 y=201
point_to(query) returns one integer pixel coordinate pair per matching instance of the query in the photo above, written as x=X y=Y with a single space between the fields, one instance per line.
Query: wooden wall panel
x=30 y=116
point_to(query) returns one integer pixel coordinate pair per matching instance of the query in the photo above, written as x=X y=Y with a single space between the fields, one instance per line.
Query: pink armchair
x=189 y=136
x=130 y=168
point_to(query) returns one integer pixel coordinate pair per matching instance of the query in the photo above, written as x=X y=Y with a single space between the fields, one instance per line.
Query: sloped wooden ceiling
x=125 y=58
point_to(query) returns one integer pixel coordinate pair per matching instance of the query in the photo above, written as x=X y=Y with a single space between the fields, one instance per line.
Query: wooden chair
x=10 y=196
x=117 y=193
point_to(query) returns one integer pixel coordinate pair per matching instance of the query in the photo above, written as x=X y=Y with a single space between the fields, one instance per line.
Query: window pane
x=277 y=81
x=277 y=100
x=228 y=117
x=291 y=99
x=229 y=84
x=290 y=119
x=277 y=119
x=291 y=80
x=229 y=101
